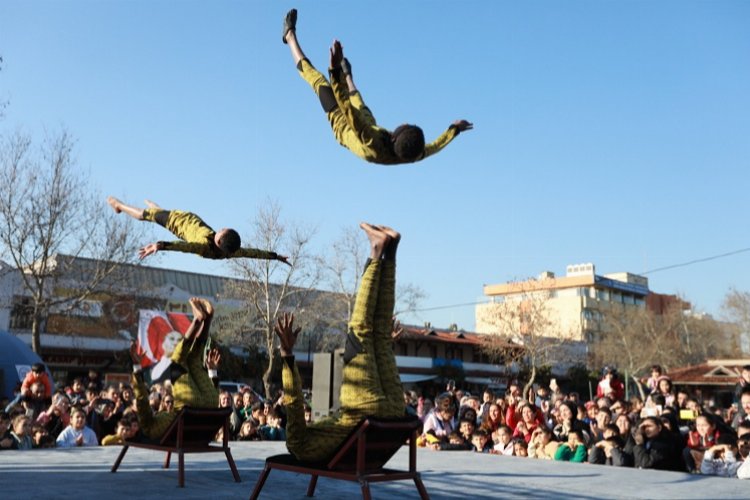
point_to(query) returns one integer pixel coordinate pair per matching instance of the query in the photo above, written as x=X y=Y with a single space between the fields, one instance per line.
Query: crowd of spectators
x=667 y=429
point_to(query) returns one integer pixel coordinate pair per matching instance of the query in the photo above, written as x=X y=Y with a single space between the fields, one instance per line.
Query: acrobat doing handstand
x=371 y=385
x=196 y=236
x=352 y=122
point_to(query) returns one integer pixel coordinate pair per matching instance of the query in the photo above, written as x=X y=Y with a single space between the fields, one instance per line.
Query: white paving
x=85 y=473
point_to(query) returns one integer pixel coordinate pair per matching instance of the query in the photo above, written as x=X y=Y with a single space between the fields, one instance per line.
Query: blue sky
x=605 y=132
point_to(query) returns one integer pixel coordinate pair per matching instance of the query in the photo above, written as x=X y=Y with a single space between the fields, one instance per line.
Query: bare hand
x=287 y=333
x=148 y=250
x=337 y=54
x=284 y=259
x=135 y=355
x=462 y=125
x=213 y=358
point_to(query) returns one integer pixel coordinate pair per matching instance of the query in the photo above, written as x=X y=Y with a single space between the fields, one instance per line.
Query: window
x=22 y=314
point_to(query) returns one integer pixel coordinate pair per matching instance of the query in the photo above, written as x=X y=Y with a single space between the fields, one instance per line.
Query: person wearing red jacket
x=610 y=385
x=38 y=373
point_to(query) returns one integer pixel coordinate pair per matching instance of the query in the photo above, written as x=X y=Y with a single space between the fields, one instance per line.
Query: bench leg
x=261 y=481
x=232 y=466
x=420 y=486
x=181 y=471
x=166 y=460
x=365 y=489
x=311 y=486
x=120 y=457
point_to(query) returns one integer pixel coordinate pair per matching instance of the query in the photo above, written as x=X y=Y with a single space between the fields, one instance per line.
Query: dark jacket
x=663 y=452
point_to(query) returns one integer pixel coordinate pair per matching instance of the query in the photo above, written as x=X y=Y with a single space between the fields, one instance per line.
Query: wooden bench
x=191 y=432
x=361 y=457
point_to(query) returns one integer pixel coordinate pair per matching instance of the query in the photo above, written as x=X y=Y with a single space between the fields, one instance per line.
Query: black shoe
x=290 y=23
x=346 y=68
x=352 y=348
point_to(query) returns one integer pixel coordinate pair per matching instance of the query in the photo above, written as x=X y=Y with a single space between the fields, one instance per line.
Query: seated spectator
x=504 y=440
x=248 y=403
x=441 y=422
x=664 y=388
x=488 y=398
x=57 y=416
x=721 y=458
x=704 y=436
x=167 y=403
x=21 y=433
x=542 y=444
x=272 y=431
x=308 y=413
x=77 y=394
x=574 y=450
x=656 y=373
x=610 y=385
x=568 y=422
x=520 y=448
x=6 y=440
x=467 y=413
x=656 y=448
x=602 y=420
x=225 y=401
x=103 y=420
x=610 y=450
x=248 y=432
x=493 y=419
x=743 y=415
x=424 y=408
x=466 y=428
x=154 y=401
x=481 y=441
x=122 y=433
x=743 y=452
x=456 y=441
x=39 y=435
x=530 y=419
x=128 y=398
x=77 y=433
x=35 y=403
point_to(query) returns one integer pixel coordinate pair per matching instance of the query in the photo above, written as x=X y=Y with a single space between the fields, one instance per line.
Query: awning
x=413 y=378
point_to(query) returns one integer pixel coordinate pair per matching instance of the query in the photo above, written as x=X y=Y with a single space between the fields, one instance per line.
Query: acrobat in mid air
x=196 y=236
x=371 y=384
x=352 y=122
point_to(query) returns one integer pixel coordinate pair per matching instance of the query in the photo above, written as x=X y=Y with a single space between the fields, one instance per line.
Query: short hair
x=480 y=433
x=746 y=368
x=256 y=406
x=230 y=241
x=37 y=368
x=408 y=142
x=727 y=438
x=657 y=368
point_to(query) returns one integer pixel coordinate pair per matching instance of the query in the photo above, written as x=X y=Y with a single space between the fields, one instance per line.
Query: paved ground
x=84 y=473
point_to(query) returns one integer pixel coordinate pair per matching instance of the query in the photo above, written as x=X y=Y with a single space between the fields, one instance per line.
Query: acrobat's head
x=228 y=241
x=408 y=142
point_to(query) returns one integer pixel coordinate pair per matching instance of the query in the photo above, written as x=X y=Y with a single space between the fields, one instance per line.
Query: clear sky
x=606 y=132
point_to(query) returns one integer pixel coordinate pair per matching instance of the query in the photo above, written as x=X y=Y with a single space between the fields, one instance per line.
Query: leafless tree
x=634 y=338
x=525 y=330
x=342 y=269
x=269 y=288
x=49 y=217
x=736 y=307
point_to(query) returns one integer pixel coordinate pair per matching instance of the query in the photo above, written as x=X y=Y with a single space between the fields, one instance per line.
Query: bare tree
x=49 y=216
x=526 y=331
x=269 y=288
x=736 y=306
x=634 y=338
x=342 y=270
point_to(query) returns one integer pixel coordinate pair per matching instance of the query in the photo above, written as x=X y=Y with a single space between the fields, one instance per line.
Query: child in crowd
x=22 y=433
x=77 y=433
x=481 y=441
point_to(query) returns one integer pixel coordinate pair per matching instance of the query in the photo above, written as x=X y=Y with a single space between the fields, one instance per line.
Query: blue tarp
x=16 y=359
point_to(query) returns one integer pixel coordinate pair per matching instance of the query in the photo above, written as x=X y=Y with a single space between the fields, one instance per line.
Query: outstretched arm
x=254 y=253
x=201 y=249
x=446 y=137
